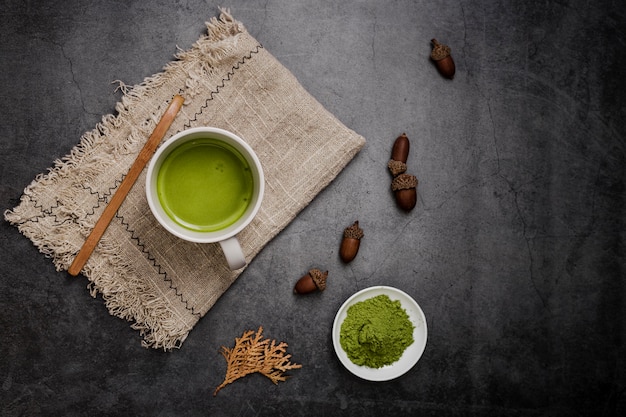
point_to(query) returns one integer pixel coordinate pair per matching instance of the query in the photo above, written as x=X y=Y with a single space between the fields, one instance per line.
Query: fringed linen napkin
x=160 y=283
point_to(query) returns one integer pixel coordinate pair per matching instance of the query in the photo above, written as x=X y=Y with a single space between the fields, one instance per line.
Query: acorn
x=404 y=187
x=314 y=280
x=350 y=243
x=399 y=155
x=442 y=58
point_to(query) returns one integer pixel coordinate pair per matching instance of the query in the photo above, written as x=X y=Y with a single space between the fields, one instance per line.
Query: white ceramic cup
x=227 y=237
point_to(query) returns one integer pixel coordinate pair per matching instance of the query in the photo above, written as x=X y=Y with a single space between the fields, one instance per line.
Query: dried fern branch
x=253 y=354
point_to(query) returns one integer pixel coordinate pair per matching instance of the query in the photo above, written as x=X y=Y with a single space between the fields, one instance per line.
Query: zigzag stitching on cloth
x=230 y=73
x=104 y=197
x=45 y=213
x=48 y=212
x=156 y=265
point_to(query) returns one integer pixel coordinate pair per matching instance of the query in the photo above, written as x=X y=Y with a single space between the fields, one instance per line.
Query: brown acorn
x=399 y=155
x=442 y=58
x=314 y=280
x=404 y=187
x=350 y=243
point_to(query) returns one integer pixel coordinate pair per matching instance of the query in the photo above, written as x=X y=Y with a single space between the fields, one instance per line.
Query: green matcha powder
x=376 y=332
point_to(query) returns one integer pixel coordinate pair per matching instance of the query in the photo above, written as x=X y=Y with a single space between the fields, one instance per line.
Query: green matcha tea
x=205 y=185
x=376 y=332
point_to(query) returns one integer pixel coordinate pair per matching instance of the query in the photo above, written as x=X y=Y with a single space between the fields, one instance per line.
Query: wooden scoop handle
x=127 y=183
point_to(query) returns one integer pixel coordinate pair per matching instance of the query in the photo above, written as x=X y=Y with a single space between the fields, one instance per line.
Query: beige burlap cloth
x=161 y=284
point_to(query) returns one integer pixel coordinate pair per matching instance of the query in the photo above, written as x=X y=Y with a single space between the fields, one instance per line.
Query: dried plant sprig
x=251 y=354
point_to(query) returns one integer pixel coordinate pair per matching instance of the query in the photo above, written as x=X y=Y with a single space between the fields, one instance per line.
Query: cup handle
x=233 y=253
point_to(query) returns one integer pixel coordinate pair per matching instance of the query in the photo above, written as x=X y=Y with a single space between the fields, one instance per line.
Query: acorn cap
x=354 y=231
x=319 y=278
x=396 y=167
x=404 y=182
x=440 y=51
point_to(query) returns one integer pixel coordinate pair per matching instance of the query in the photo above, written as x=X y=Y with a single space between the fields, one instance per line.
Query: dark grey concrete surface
x=515 y=250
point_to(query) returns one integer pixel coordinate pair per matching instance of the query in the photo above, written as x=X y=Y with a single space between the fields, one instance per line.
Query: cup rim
x=195 y=236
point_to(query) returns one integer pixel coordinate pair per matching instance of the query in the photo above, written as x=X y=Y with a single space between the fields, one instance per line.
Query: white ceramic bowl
x=412 y=353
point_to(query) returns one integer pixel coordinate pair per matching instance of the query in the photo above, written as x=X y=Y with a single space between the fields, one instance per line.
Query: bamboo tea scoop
x=127 y=183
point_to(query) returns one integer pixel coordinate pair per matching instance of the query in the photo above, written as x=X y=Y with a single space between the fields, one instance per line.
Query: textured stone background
x=515 y=251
